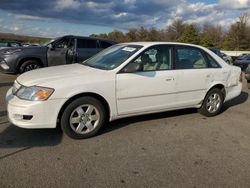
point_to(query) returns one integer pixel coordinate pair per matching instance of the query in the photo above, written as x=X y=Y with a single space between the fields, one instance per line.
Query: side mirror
x=133 y=67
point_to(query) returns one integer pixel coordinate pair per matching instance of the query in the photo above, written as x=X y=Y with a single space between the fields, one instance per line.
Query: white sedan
x=124 y=80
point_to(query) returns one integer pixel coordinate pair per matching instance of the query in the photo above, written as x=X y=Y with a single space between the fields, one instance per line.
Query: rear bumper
x=233 y=91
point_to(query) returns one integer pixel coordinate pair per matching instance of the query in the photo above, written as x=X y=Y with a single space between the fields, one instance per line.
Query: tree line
x=236 y=37
x=21 y=38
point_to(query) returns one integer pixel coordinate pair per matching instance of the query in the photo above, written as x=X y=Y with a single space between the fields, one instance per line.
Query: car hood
x=50 y=74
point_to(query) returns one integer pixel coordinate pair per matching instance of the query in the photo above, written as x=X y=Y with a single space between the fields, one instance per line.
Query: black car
x=243 y=62
x=217 y=52
x=62 y=50
x=247 y=76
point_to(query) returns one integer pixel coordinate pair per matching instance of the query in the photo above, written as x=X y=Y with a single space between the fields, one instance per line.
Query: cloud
x=125 y=14
x=100 y=12
x=67 y=4
x=235 y=4
x=198 y=13
x=28 y=17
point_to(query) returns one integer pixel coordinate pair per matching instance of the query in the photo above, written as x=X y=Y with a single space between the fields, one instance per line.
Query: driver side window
x=64 y=43
x=155 y=58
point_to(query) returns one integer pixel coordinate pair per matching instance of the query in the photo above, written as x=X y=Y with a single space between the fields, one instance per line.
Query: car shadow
x=243 y=97
x=23 y=139
x=120 y=123
x=6 y=84
x=3 y=113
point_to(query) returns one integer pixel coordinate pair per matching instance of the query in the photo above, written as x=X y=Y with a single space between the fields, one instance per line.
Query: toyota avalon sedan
x=124 y=80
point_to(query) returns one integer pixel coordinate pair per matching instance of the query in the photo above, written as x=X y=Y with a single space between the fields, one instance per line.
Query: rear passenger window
x=190 y=58
x=104 y=44
x=86 y=43
x=212 y=62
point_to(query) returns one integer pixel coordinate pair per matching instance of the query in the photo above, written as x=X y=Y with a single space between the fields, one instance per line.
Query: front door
x=59 y=52
x=151 y=89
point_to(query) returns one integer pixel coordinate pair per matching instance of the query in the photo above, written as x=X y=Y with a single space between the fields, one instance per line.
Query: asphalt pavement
x=172 y=149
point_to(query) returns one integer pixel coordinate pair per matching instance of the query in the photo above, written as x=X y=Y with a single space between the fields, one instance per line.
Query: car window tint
x=155 y=58
x=86 y=43
x=3 y=44
x=14 y=45
x=189 y=58
x=104 y=44
x=64 y=43
x=212 y=63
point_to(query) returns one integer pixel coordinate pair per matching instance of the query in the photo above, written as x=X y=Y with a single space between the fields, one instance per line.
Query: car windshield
x=112 y=57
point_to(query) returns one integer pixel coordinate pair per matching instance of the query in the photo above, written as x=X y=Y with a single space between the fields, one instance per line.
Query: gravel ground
x=172 y=149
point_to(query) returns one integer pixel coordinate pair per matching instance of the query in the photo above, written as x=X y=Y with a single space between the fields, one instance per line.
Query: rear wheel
x=212 y=103
x=29 y=65
x=83 y=118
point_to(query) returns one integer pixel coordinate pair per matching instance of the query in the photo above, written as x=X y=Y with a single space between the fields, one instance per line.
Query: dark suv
x=62 y=50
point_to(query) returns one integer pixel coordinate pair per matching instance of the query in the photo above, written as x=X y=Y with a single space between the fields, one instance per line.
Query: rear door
x=86 y=48
x=195 y=74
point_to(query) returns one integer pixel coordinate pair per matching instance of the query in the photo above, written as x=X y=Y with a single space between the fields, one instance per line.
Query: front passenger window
x=155 y=58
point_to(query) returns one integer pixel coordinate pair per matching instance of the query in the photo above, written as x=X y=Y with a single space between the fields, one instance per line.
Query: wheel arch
x=89 y=94
x=219 y=86
x=22 y=60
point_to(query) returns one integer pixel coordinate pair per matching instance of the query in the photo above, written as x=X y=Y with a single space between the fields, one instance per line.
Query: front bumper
x=33 y=114
x=4 y=67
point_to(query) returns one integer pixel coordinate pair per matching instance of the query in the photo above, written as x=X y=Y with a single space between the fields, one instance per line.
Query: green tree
x=190 y=35
x=116 y=35
x=175 y=30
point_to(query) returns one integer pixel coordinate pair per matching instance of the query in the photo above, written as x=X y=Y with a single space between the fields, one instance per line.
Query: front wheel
x=29 y=65
x=212 y=103
x=83 y=118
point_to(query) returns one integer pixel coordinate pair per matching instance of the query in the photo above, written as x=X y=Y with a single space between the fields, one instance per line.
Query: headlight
x=34 y=93
x=11 y=51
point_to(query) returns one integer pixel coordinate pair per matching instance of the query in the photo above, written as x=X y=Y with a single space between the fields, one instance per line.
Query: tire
x=212 y=103
x=83 y=118
x=29 y=65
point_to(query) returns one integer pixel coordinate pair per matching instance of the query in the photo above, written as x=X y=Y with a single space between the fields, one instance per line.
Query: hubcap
x=84 y=119
x=31 y=67
x=213 y=103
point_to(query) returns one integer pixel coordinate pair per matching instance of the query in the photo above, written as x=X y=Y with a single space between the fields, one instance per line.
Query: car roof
x=157 y=43
x=94 y=38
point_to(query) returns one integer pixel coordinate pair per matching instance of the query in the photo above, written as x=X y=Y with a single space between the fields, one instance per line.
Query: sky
x=53 y=18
